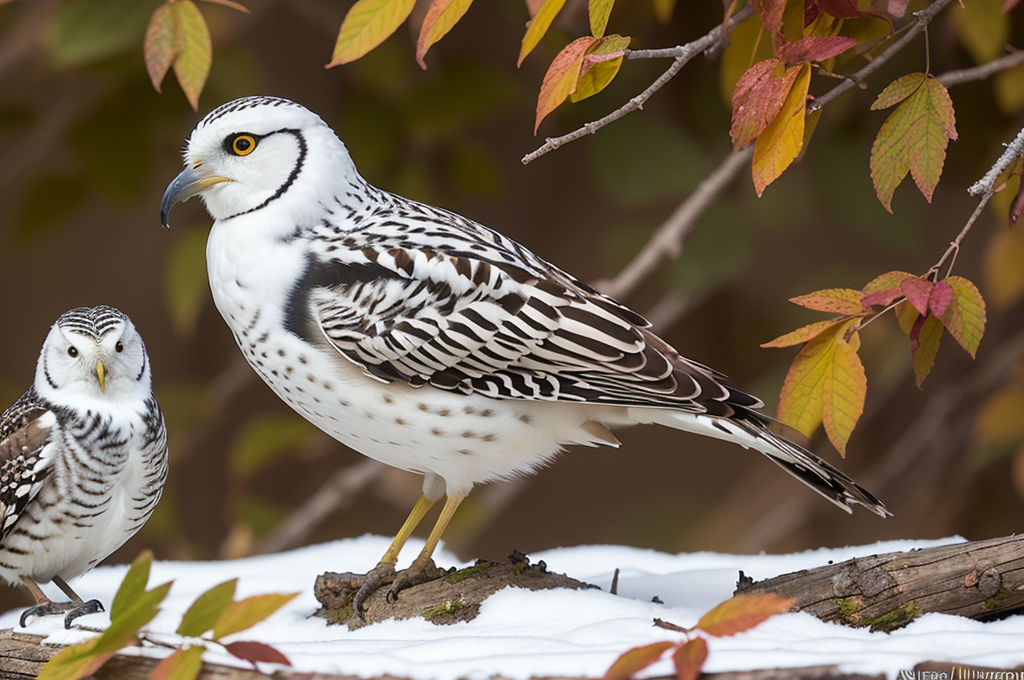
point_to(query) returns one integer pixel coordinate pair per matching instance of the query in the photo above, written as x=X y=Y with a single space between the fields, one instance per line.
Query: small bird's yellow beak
x=101 y=375
x=183 y=187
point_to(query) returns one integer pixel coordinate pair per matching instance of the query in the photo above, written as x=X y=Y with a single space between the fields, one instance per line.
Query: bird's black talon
x=90 y=607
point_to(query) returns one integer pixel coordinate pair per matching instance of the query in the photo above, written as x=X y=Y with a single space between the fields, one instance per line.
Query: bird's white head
x=257 y=152
x=93 y=353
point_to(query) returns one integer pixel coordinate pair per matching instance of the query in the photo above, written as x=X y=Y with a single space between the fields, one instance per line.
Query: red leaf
x=915 y=334
x=562 y=77
x=743 y=612
x=759 y=95
x=690 y=658
x=917 y=291
x=771 y=13
x=635 y=660
x=941 y=297
x=847 y=9
x=882 y=298
x=814 y=48
x=257 y=651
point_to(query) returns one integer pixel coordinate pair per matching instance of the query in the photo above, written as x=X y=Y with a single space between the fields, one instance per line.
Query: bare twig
x=682 y=55
x=667 y=241
x=923 y=17
x=970 y=75
x=987 y=184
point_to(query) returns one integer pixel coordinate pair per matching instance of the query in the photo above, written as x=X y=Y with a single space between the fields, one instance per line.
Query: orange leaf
x=248 y=612
x=192 y=65
x=637 y=659
x=964 y=318
x=599 y=12
x=183 y=664
x=814 y=48
x=780 y=143
x=163 y=43
x=834 y=300
x=561 y=78
x=441 y=17
x=759 y=95
x=802 y=334
x=913 y=138
x=368 y=24
x=843 y=391
x=743 y=612
x=690 y=658
x=538 y=26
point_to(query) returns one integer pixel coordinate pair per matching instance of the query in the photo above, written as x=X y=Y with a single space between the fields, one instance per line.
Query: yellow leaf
x=561 y=77
x=780 y=143
x=887 y=281
x=834 y=300
x=983 y=28
x=368 y=24
x=538 y=26
x=802 y=334
x=801 y=399
x=663 y=10
x=743 y=612
x=75 y=662
x=599 y=11
x=965 y=316
x=183 y=664
x=248 y=612
x=913 y=138
x=441 y=17
x=164 y=41
x=844 y=387
x=192 y=65
x=600 y=66
x=1004 y=273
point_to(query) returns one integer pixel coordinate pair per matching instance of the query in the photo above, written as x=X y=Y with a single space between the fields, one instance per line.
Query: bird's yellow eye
x=243 y=145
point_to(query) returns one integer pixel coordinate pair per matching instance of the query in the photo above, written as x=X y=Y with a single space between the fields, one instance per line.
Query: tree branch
x=970 y=75
x=682 y=54
x=987 y=184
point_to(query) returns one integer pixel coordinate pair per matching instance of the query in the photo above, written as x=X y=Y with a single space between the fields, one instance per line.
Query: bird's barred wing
x=24 y=432
x=465 y=324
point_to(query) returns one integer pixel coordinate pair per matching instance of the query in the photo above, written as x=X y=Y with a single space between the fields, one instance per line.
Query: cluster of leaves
x=826 y=383
x=733 y=616
x=215 y=612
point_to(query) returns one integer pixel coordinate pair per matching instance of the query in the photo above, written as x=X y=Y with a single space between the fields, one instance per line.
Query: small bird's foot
x=90 y=607
x=417 y=573
x=379 y=576
x=44 y=609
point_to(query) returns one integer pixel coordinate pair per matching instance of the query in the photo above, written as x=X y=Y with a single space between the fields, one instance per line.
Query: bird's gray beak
x=186 y=185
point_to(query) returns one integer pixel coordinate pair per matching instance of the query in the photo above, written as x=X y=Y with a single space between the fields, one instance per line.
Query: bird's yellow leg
x=450 y=505
x=415 y=516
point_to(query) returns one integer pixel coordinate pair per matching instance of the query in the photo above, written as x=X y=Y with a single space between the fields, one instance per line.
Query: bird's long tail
x=748 y=429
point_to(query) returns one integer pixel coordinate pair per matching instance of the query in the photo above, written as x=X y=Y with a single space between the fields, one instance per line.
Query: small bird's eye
x=72 y=351
x=119 y=347
x=242 y=145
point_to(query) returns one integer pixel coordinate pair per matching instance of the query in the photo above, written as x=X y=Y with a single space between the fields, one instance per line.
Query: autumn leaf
x=257 y=651
x=917 y=291
x=441 y=17
x=637 y=659
x=814 y=48
x=690 y=658
x=538 y=26
x=164 y=41
x=759 y=95
x=248 y=612
x=743 y=612
x=884 y=290
x=133 y=585
x=600 y=66
x=207 y=609
x=834 y=300
x=183 y=664
x=599 y=12
x=780 y=143
x=803 y=334
x=925 y=335
x=368 y=24
x=898 y=8
x=964 y=318
x=914 y=137
x=561 y=78
x=770 y=12
x=75 y=662
x=848 y=9
x=192 y=65
x=826 y=385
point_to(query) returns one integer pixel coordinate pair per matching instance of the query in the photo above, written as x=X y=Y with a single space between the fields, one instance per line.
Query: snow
x=521 y=634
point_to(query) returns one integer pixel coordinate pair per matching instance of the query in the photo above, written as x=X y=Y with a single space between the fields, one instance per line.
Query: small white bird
x=425 y=340
x=83 y=457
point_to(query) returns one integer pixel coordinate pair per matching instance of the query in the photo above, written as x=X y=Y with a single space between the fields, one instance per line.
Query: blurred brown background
x=87 y=147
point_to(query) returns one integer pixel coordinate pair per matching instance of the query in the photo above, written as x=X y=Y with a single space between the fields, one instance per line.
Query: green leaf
x=185 y=279
x=538 y=26
x=164 y=41
x=183 y=664
x=368 y=24
x=192 y=65
x=133 y=585
x=561 y=77
x=441 y=17
x=599 y=11
x=248 y=612
x=126 y=627
x=207 y=609
x=75 y=662
x=265 y=439
x=898 y=90
x=635 y=660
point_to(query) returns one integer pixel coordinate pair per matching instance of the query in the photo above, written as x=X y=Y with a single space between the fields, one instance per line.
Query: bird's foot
x=379 y=576
x=90 y=607
x=417 y=573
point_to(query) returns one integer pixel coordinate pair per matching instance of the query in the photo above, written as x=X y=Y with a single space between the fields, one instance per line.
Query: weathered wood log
x=978 y=579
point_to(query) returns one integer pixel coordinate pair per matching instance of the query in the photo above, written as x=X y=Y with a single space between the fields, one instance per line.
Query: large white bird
x=83 y=457
x=425 y=340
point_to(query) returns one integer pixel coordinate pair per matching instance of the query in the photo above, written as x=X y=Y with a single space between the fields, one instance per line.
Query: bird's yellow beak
x=183 y=187
x=100 y=373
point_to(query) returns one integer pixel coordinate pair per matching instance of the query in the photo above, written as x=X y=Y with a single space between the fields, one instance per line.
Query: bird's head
x=93 y=352
x=254 y=152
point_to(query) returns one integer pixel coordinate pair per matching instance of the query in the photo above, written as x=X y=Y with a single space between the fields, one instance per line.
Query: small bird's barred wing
x=24 y=432
x=463 y=323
